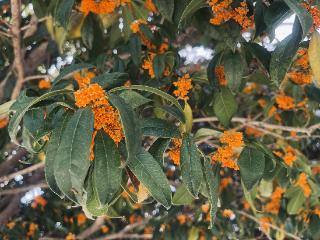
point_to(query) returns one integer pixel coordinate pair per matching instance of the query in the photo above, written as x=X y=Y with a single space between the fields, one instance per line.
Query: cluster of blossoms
x=44 y=84
x=105 y=116
x=4 y=122
x=301 y=75
x=220 y=75
x=174 y=153
x=314 y=11
x=101 y=7
x=289 y=157
x=183 y=85
x=303 y=183
x=226 y=154
x=39 y=201
x=274 y=205
x=223 y=12
x=285 y=102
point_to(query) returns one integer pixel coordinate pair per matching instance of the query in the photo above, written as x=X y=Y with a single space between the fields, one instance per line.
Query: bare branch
x=98 y=223
x=23 y=189
x=22 y=172
x=16 y=42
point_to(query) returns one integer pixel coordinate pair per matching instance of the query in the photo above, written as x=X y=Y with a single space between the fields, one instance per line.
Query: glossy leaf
x=159 y=128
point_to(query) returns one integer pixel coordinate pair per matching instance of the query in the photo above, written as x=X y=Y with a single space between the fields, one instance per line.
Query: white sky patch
x=29 y=196
x=196 y=54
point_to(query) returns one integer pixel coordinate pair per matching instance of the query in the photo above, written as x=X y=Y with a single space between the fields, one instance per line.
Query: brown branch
x=8 y=165
x=308 y=131
x=10 y=210
x=35 y=77
x=270 y=225
x=22 y=172
x=23 y=189
x=16 y=42
x=98 y=223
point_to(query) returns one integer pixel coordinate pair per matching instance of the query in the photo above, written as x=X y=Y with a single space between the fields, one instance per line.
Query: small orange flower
x=39 y=200
x=81 y=219
x=225 y=182
x=182 y=218
x=11 y=225
x=148 y=230
x=32 y=229
x=44 y=84
x=101 y=7
x=285 y=102
x=163 y=47
x=265 y=224
x=300 y=78
x=174 y=153
x=183 y=87
x=232 y=139
x=71 y=236
x=303 y=183
x=4 y=122
x=251 y=131
x=148 y=64
x=290 y=156
x=228 y=213
x=219 y=72
x=274 y=205
x=205 y=208
x=104 y=229
x=150 y=6
x=314 y=11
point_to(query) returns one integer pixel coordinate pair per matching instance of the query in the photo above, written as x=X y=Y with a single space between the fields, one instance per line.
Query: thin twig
x=98 y=223
x=270 y=225
x=16 y=42
x=35 y=77
x=22 y=172
x=22 y=189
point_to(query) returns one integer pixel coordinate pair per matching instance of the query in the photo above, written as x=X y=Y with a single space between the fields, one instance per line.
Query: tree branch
x=98 y=223
x=23 y=189
x=16 y=42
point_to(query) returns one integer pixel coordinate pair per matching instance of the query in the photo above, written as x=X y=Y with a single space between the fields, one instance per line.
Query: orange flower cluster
x=101 y=7
x=174 y=153
x=81 y=219
x=32 y=229
x=105 y=116
x=264 y=224
x=182 y=218
x=303 y=183
x=289 y=157
x=104 y=229
x=39 y=200
x=315 y=13
x=274 y=205
x=183 y=87
x=219 y=72
x=223 y=12
x=44 y=84
x=148 y=64
x=285 y=102
x=225 y=154
x=135 y=28
x=250 y=87
x=301 y=73
x=4 y=122
x=150 y=6
x=250 y=131
x=228 y=213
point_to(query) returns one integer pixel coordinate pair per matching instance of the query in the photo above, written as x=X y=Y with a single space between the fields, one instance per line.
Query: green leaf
x=5 y=108
x=191 y=8
x=283 y=55
x=110 y=80
x=296 y=201
x=134 y=99
x=159 y=128
x=72 y=157
x=206 y=132
x=190 y=165
x=87 y=31
x=63 y=12
x=212 y=180
x=165 y=7
x=130 y=124
x=275 y=14
x=156 y=91
x=174 y=111
x=159 y=65
x=233 y=68
x=251 y=163
x=224 y=105
x=107 y=173
x=158 y=148
x=22 y=105
x=182 y=196
x=135 y=49
x=51 y=153
x=304 y=16
x=149 y=173
x=260 y=53
x=71 y=69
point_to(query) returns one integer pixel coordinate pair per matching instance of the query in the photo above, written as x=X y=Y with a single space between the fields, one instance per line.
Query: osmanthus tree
x=140 y=145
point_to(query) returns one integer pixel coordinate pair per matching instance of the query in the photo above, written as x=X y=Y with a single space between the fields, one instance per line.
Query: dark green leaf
x=87 y=33
x=224 y=105
x=233 y=67
x=130 y=124
x=51 y=153
x=72 y=157
x=150 y=174
x=212 y=180
x=182 y=196
x=110 y=80
x=159 y=65
x=135 y=49
x=71 y=69
x=165 y=7
x=159 y=128
x=134 y=99
x=63 y=12
x=190 y=165
x=251 y=163
x=260 y=53
x=158 y=148
x=107 y=173
x=191 y=7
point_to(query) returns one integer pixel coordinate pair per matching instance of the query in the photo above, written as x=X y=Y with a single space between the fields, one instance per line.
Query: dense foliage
x=137 y=144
